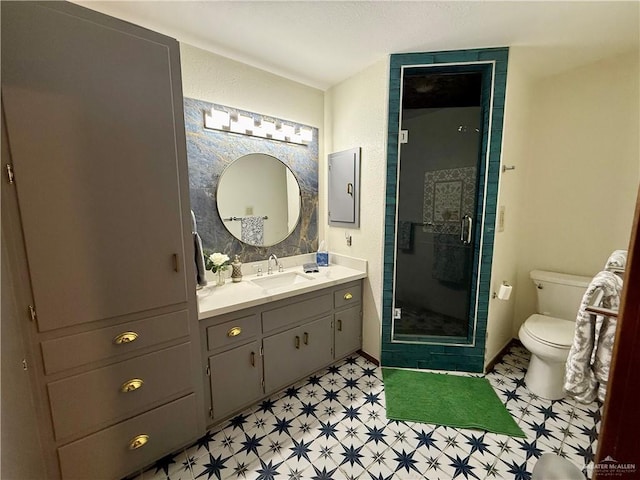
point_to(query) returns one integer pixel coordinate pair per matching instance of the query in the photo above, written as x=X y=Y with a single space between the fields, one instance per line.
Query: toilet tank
x=559 y=294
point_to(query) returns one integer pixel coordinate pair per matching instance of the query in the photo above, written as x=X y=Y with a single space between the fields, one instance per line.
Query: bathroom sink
x=279 y=280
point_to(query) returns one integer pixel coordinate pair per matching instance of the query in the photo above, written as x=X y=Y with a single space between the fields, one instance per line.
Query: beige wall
x=212 y=78
x=506 y=252
x=582 y=170
x=356 y=116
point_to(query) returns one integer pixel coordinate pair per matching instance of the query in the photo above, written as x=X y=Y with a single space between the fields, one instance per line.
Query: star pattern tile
x=333 y=426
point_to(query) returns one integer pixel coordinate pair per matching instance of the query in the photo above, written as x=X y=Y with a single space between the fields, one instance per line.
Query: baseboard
x=498 y=356
x=373 y=360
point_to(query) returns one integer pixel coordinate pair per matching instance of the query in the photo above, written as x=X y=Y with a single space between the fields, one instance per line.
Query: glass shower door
x=437 y=192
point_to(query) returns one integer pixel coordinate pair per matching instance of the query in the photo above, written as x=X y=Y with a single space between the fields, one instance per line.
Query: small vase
x=220 y=278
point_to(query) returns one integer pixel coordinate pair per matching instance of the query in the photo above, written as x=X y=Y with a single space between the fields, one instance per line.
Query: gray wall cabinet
x=96 y=221
x=258 y=351
x=344 y=188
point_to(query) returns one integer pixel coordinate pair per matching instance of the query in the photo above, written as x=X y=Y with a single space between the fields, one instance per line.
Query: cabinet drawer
x=107 y=454
x=348 y=296
x=101 y=344
x=84 y=403
x=294 y=312
x=233 y=332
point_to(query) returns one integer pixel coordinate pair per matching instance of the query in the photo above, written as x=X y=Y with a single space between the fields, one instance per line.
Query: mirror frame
x=209 y=152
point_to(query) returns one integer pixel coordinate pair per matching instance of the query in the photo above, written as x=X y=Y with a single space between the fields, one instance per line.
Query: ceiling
x=322 y=43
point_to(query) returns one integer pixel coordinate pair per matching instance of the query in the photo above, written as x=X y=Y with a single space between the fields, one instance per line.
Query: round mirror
x=258 y=200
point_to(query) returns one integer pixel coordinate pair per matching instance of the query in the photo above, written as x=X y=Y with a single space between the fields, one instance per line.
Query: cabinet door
x=236 y=379
x=282 y=359
x=348 y=331
x=317 y=340
x=96 y=141
x=290 y=355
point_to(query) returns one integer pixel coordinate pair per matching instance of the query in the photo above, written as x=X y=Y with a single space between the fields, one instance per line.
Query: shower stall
x=437 y=203
x=445 y=127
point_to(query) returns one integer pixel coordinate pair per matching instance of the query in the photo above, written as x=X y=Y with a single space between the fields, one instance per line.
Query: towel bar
x=607 y=312
x=240 y=218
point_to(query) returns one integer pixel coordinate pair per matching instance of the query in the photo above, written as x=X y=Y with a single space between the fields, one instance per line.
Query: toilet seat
x=551 y=331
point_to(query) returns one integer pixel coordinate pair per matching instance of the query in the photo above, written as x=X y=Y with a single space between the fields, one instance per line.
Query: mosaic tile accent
x=333 y=426
x=209 y=152
x=447 y=193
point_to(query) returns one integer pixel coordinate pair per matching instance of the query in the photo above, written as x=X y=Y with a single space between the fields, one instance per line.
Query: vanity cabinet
x=260 y=350
x=296 y=352
x=234 y=367
x=96 y=221
x=347 y=319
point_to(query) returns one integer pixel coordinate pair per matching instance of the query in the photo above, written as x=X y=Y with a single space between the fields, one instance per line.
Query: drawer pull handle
x=339 y=325
x=253 y=359
x=297 y=342
x=234 y=332
x=138 y=441
x=306 y=338
x=348 y=296
x=131 y=385
x=125 y=337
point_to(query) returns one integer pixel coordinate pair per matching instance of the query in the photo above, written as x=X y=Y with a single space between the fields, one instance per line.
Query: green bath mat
x=451 y=400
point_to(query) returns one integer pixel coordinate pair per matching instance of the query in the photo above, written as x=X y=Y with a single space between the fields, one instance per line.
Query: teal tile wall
x=469 y=357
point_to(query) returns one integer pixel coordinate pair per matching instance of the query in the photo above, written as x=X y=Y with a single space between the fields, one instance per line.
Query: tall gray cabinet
x=95 y=217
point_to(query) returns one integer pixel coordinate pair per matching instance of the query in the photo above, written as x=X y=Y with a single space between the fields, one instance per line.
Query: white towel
x=252 y=230
x=617 y=259
x=587 y=369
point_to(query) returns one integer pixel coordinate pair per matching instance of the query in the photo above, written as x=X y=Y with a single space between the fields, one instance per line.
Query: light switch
x=501 y=218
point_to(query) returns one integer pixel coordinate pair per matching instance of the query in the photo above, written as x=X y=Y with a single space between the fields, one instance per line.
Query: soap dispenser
x=236 y=270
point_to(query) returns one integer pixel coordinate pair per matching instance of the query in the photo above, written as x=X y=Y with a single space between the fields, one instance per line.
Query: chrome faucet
x=278 y=264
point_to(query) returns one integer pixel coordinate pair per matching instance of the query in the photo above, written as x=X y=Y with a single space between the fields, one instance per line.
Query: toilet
x=548 y=334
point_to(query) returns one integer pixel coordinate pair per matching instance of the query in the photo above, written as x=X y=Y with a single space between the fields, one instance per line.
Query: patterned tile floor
x=332 y=425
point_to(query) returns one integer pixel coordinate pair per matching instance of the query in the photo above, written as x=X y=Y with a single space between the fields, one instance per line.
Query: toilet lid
x=550 y=330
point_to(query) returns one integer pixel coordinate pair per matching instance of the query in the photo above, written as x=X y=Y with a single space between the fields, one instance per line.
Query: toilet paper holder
x=504 y=292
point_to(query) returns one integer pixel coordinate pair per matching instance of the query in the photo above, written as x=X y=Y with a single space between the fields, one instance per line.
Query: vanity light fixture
x=268 y=126
x=229 y=120
x=217 y=119
x=306 y=134
x=242 y=124
x=246 y=121
x=288 y=130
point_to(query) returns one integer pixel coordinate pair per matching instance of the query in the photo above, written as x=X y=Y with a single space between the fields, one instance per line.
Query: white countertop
x=216 y=300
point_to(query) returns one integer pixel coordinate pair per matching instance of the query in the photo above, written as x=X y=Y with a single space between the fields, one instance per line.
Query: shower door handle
x=465 y=236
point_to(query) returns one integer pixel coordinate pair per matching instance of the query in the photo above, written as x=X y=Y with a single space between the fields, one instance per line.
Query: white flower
x=218 y=259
